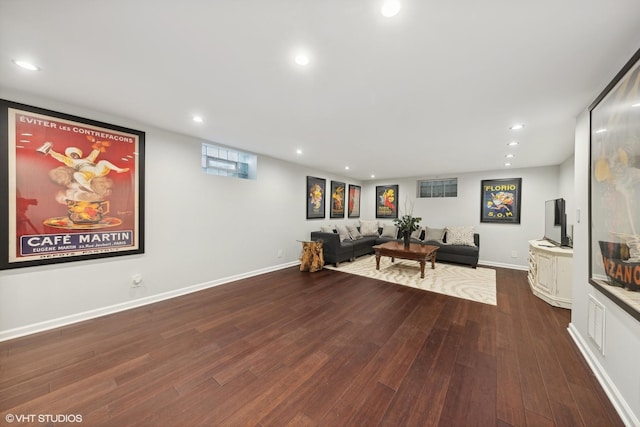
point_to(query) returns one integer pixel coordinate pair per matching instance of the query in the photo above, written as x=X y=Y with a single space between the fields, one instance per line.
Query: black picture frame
x=614 y=161
x=355 y=192
x=338 y=199
x=500 y=200
x=316 y=197
x=387 y=201
x=75 y=188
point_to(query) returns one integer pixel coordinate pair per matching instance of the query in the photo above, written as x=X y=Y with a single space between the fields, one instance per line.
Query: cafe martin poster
x=74 y=191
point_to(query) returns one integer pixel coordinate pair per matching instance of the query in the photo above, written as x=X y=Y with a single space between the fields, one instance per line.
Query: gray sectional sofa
x=336 y=251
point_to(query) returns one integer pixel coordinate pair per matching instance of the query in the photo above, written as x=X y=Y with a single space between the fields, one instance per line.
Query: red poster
x=74 y=188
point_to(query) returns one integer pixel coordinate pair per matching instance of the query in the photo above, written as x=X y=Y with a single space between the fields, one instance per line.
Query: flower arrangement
x=407 y=223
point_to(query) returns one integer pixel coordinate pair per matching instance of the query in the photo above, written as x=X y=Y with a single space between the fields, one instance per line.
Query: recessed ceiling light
x=302 y=59
x=507 y=164
x=513 y=143
x=198 y=119
x=298 y=151
x=509 y=156
x=346 y=168
x=373 y=176
x=601 y=130
x=517 y=126
x=26 y=65
x=390 y=8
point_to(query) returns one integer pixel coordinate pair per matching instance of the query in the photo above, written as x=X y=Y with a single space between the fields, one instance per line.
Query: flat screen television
x=555 y=223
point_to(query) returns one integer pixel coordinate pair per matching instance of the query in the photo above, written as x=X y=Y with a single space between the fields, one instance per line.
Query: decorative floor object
x=475 y=284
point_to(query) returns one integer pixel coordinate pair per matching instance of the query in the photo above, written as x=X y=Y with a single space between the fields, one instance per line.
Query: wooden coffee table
x=416 y=252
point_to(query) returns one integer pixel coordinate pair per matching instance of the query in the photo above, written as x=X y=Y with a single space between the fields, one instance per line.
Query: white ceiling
x=429 y=92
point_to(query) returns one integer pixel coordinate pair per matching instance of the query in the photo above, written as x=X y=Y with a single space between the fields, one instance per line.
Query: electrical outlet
x=136 y=280
x=280 y=253
x=514 y=254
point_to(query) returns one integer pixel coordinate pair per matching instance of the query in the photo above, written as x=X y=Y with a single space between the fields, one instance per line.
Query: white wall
x=617 y=369
x=566 y=184
x=199 y=229
x=497 y=241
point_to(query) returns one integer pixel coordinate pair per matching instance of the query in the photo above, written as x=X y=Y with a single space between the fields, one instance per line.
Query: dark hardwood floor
x=302 y=349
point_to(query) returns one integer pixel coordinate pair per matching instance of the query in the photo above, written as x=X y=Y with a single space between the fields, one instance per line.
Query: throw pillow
x=416 y=234
x=462 y=235
x=369 y=228
x=353 y=232
x=433 y=234
x=343 y=232
x=389 y=230
x=328 y=229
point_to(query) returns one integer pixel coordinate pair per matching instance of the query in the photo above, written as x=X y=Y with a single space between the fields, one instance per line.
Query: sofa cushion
x=363 y=246
x=369 y=228
x=433 y=234
x=354 y=234
x=416 y=234
x=328 y=229
x=389 y=230
x=343 y=232
x=463 y=250
x=460 y=235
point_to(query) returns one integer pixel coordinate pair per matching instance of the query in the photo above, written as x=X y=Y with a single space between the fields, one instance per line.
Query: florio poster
x=501 y=200
x=74 y=188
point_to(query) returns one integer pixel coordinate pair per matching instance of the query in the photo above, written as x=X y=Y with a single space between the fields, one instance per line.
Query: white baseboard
x=503 y=265
x=618 y=402
x=103 y=311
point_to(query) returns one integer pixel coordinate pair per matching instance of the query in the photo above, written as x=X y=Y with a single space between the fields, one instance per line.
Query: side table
x=311 y=258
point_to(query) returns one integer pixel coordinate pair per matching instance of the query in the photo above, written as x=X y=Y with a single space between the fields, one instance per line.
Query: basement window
x=438 y=187
x=224 y=161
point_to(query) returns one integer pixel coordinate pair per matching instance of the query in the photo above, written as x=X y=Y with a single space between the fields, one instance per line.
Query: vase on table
x=407 y=239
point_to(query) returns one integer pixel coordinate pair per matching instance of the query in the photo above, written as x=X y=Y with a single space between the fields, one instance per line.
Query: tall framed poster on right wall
x=614 y=189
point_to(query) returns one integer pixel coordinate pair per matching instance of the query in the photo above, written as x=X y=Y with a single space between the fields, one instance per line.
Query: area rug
x=475 y=284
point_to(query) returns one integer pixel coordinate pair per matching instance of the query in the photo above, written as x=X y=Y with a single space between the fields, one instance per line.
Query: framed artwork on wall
x=316 y=188
x=337 y=199
x=387 y=201
x=614 y=193
x=500 y=200
x=354 y=201
x=75 y=188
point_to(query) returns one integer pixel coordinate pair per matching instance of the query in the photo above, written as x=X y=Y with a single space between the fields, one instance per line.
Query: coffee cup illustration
x=85 y=212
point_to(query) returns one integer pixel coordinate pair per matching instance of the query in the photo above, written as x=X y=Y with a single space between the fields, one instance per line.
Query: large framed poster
x=316 y=188
x=337 y=199
x=74 y=188
x=387 y=201
x=614 y=193
x=500 y=200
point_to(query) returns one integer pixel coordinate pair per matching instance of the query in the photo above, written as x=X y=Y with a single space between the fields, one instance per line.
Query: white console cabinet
x=551 y=272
